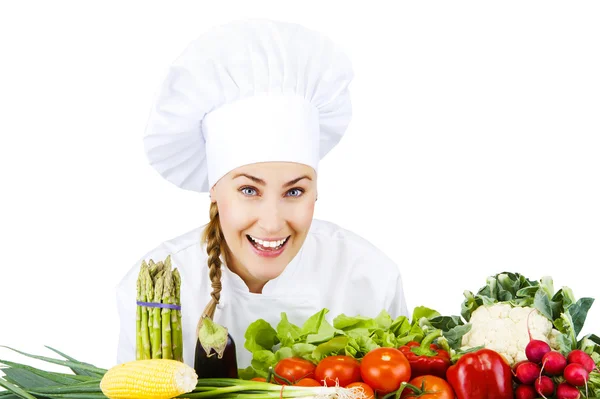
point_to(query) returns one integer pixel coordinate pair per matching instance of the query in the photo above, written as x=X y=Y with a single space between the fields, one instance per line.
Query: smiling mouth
x=267 y=245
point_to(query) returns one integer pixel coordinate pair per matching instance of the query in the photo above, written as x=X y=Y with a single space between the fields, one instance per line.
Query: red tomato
x=367 y=390
x=261 y=379
x=384 y=369
x=293 y=369
x=342 y=370
x=308 y=382
x=433 y=387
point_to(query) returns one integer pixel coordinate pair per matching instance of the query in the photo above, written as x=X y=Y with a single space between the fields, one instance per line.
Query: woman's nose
x=271 y=218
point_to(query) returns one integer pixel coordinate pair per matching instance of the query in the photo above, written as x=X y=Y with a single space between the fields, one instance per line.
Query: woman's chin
x=267 y=275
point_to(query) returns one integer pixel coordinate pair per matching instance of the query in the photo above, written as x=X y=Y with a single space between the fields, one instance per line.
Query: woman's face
x=265 y=210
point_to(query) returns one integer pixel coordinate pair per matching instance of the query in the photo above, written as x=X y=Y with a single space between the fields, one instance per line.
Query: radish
x=553 y=363
x=527 y=372
x=514 y=369
x=535 y=349
x=567 y=391
x=580 y=357
x=576 y=374
x=525 y=392
x=544 y=386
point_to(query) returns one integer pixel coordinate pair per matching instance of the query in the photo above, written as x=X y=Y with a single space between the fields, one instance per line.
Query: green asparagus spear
x=156 y=319
x=153 y=311
x=146 y=286
x=156 y=269
x=150 y=298
x=176 y=319
x=138 y=317
x=167 y=298
x=153 y=267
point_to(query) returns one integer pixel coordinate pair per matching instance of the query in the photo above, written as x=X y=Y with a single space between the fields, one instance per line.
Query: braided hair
x=215 y=245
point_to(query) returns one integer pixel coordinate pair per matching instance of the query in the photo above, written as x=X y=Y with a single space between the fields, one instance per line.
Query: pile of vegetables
x=515 y=339
x=511 y=298
x=158 y=319
x=487 y=343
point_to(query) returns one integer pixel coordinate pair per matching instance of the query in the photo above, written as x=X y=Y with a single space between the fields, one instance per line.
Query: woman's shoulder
x=333 y=238
x=185 y=250
x=179 y=246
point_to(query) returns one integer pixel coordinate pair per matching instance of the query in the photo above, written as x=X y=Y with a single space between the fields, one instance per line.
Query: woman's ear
x=211 y=194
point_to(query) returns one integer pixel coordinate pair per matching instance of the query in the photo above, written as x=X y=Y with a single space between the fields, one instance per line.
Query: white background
x=473 y=150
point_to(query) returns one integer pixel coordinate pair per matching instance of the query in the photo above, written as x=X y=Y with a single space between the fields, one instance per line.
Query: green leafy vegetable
x=317 y=338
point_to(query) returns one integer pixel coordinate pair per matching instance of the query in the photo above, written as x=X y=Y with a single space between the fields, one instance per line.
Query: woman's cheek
x=303 y=216
x=234 y=217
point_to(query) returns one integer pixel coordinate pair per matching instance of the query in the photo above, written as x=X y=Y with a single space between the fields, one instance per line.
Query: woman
x=246 y=113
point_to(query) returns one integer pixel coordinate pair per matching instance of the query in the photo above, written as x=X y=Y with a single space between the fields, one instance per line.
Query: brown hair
x=215 y=245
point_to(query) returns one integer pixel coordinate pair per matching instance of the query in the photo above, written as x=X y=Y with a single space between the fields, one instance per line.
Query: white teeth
x=268 y=244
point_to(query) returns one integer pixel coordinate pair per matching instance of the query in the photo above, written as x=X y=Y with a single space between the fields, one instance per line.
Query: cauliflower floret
x=503 y=328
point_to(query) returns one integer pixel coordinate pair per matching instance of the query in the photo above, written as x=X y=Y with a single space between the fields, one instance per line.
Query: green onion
x=230 y=388
x=31 y=383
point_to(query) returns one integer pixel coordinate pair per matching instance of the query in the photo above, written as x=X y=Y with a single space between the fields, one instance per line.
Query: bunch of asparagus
x=159 y=334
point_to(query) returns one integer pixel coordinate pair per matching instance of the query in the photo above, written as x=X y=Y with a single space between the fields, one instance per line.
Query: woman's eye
x=295 y=192
x=248 y=191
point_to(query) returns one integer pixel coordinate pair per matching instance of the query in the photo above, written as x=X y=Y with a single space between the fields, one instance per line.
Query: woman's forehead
x=274 y=172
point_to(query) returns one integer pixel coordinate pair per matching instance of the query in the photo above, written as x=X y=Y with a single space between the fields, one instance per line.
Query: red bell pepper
x=426 y=358
x=483 y=374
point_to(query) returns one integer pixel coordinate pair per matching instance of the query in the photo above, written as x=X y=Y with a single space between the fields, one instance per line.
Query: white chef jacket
x=335 y=269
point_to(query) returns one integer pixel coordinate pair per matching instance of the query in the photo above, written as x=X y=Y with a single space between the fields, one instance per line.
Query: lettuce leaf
x=260 y=336
x=317 y=338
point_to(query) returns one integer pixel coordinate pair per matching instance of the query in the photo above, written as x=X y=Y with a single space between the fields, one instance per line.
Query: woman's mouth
x=267 y=248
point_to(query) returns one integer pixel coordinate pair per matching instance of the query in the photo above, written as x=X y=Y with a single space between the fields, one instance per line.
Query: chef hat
x=246 y=92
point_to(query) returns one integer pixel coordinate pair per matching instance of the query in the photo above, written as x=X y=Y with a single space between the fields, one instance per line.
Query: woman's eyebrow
x=292 y=182
x=262 y=182
x=254 y=179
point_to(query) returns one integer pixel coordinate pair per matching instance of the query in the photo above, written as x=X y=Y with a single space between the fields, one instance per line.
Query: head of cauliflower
x=505 y=329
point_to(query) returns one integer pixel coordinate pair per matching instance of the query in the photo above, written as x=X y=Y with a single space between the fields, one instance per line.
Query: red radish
x=580 y=357
x=514 y=369
x=553 y=363
x=567 y=391
x=525 y=392
x=576 y=374
x=527 y=372
x=544 y=386
x=535 y=349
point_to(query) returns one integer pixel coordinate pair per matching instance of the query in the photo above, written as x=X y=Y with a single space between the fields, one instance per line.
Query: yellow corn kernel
x=149 y=379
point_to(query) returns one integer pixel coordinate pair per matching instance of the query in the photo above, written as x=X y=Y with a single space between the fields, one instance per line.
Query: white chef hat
x=246 y=92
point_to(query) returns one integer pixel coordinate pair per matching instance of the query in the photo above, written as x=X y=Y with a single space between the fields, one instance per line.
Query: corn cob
x=149 y=379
